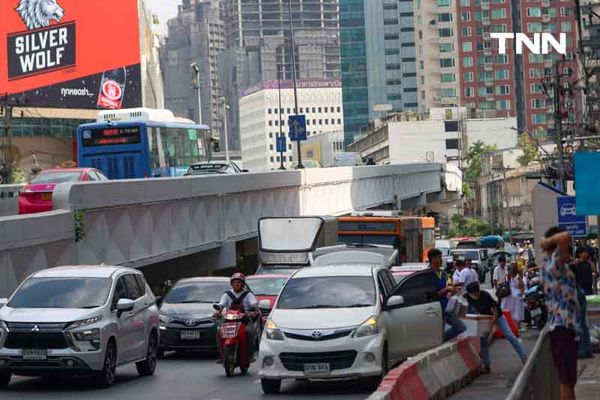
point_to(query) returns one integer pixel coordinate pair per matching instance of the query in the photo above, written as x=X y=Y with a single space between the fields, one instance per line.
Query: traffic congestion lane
x=179 y=377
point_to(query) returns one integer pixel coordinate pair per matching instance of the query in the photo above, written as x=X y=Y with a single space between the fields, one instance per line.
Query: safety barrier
x=435 y=374
x=539 y=378
x=9 y=195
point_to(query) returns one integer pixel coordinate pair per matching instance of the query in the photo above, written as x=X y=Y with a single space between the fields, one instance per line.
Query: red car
x=37 y=195
x=266 y=287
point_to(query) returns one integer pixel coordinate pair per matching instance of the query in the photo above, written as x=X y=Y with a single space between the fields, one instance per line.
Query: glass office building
x=378 y=60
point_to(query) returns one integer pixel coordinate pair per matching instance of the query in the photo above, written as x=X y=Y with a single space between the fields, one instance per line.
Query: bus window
x=153 y=142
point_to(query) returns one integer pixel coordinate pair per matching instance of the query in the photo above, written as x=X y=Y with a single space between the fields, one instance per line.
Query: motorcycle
x=534 y=298
x=231 y=334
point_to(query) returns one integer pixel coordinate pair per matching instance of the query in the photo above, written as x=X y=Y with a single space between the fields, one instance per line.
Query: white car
x=348 y=321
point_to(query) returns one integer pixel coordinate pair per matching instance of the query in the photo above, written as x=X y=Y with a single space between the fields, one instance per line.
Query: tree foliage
x=530 y=150
x=467 y=226
x=475 y=160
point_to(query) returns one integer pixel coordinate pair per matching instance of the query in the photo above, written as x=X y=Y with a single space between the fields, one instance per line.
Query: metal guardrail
x=539 y=378
x=9 y=195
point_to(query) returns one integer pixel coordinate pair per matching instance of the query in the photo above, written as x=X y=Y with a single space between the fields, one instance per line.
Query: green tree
x=467 y=226
x=475 y=159
x=530 y=150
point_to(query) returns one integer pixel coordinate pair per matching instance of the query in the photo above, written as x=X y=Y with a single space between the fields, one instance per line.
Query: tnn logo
x=540 y=44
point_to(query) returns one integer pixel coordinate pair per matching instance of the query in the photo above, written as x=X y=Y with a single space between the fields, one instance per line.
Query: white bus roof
x=140 y=114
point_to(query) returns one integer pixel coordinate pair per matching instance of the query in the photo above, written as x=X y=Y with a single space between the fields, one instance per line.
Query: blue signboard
x=297 y=124
x=568 y=218
x=281 y=144
x=587 y=176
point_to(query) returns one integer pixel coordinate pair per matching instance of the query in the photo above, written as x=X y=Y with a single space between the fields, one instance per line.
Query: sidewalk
x=588 y=383
x=505 y=369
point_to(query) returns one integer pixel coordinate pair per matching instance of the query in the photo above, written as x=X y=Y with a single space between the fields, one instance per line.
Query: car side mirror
x=245 y=170
x=124 y=305
x=264 y=304
x=3 y=302
x=395 y=302
x=217 y=307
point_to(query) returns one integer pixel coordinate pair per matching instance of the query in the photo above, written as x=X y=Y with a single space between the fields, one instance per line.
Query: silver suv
x=79 y=320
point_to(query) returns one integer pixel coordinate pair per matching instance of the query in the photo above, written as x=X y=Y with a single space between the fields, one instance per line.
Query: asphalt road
x=178 y=377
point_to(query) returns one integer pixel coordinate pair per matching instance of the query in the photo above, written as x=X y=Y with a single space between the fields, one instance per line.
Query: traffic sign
x=568 y=218
x=281 y=144
x=297 y=124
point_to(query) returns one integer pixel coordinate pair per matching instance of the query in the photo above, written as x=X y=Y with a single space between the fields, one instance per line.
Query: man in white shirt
x=499 y=272
x=469 y=272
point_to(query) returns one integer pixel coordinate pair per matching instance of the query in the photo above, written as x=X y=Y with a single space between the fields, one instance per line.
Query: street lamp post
x=226 y=138
x=281 y=134
x=194 y=66
x=300 y=166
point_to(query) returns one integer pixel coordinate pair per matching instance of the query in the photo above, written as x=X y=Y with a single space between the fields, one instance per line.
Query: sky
x=166 y=9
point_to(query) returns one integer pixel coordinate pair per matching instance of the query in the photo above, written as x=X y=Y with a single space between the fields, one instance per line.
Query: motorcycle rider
x=241 y=299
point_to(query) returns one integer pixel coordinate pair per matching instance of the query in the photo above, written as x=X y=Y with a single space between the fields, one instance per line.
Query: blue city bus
x=141 y=143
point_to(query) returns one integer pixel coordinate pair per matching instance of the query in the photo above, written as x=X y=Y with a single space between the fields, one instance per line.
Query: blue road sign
x=568 y=218
x=297 y=124
x=281 y=144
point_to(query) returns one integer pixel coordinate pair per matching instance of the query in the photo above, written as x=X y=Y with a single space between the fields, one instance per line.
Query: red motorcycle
x=231 y=335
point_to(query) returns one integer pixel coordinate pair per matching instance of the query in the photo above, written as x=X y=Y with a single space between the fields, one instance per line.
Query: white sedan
x=348 y=321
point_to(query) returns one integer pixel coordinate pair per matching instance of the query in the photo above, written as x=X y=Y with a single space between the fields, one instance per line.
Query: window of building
x=503 y=104
x=447 y=62
x=536 y=58
x=314 y=122
x=327 y=109
x=446 y=32
x=502 y=89
x=277 y=158
x=270 y=123
x=451 y=144
x=446 y=47
x=499 y=1
x=538 y=118
x=565 y=11
x=499 y=13
x=466 y=31
x=392 y=52
x=272 y=159
x=320 y=122
x=538 y=103
x=421 y=65
x=535 y=72
x=465 y=16
x=533 y=27
x=445 y=17
x=498 y=28
x=446 y=78
x=339 y=109
x=326 y=122
x=467 y=62
x=502 y=74
x=270 y=135
x=314 y=109
x=443 y=3
x=450 y=92
x=465 y=3
x=391 y=36
x=320 y=109
x=271 y=147
x=468 y=76
x=308 y=122
x=393 y=67
x=339 y=121
x=269 y=111
x=534 y=12
x=566 y=27
x=467 y=46
x=535 y=88
x=502 y=59
x=390 y=21
x=469 y=91
x=332 y=121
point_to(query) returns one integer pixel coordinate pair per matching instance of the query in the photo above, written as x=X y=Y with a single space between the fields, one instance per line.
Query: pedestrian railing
x=539 y=378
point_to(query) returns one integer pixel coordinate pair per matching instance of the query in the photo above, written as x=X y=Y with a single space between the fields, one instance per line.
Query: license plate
x=536 y=312
x=316 y=369
x=35 y=354
x=190 y=335
x=47 y=196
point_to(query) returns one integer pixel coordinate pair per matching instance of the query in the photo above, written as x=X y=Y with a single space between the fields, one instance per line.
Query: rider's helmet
x=238 y=276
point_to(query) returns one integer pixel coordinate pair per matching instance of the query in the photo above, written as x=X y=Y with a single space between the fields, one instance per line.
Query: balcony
x=489 y=82
x=485 y=21
x=546 y=3
x=487 y=51
x=548 y=63
x=546 y=18
x=485 y=5
x=488 y=67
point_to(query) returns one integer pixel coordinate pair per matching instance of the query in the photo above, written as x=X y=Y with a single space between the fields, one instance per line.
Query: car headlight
x=165 y=319
x=92 y=336
x=272 y=331
x=84 y=322
x=367 y=328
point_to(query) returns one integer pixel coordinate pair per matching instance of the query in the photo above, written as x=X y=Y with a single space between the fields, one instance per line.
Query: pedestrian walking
x=560 y=288
x=584 y=277
x=499 y=275
x=514 y=302
x=456 y=325
x=484 y=304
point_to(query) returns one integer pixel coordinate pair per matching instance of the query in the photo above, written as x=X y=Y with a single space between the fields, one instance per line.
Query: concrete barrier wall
x=9 y=199
x=539 y=378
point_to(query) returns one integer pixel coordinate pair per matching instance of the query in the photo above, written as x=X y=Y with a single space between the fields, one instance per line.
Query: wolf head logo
x=38 y=13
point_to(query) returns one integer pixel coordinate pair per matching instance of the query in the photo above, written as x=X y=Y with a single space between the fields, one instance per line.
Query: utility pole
x=6 y=166
x=300 y=166
x=196 y=86
x=281 y=134
x=558 y=127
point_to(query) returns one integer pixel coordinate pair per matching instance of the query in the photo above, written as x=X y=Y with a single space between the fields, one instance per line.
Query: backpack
x=237 y=303
x=503 y=290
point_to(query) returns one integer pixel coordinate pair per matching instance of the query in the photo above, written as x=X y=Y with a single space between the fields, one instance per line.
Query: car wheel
x=147 y=366
x=5 y=379
x=106 y=377
x=270 y=386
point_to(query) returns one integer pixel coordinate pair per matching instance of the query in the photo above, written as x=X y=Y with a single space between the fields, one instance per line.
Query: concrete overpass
x=143 y=222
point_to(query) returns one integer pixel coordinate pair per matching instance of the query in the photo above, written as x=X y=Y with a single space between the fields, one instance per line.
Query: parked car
x=266 y=288
x=36 y=196
x=407 y=269
x=82 y=319
x=347 y=322
x=186 y=314
x=214 y=167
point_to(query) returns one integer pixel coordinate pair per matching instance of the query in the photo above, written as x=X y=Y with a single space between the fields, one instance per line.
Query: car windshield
x=473 y=255
x=277 y=270
x=266 y=286
x=57 y=177
x=196 y=292
x=328 y=292
x=62 y=293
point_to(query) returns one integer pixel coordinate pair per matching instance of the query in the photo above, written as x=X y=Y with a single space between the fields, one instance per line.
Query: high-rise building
x=259 y=46
x=378 y=58
x=510 y=84
x=196 y=35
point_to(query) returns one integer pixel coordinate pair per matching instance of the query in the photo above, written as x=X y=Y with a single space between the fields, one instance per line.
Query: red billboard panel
x=70 y=53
